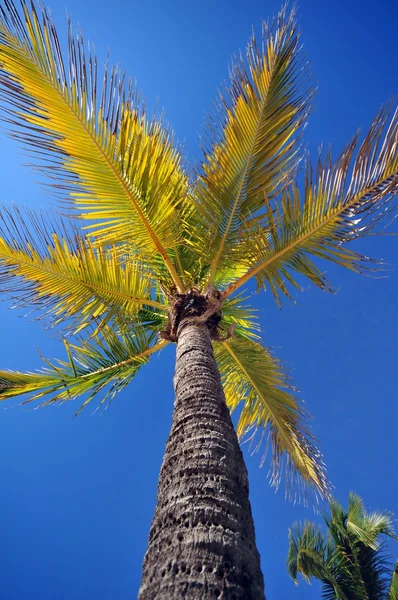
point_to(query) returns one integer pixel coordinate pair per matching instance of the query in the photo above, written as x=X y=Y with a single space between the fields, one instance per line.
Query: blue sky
x=77 y=496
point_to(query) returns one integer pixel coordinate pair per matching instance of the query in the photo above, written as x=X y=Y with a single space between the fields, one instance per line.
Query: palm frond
x=343 y=201
x=312 y=555
x=393 y=591
x=239 y=317
x=360 y=565
x=309 y=554
x=53 y=268
x=367 y=527
x=349 y=561
x=105 y=364
x=119 y=168
x=255 y=151
x=251 y=375
x=375 y=572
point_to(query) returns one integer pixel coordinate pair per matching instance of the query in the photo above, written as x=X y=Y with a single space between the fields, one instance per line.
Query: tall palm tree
x=163 y=258
x=350 y=561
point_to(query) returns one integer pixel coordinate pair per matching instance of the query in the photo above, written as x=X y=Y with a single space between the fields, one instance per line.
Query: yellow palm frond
x=342 y=202
x=253 y=377
x=104 y=365
x=256 y=152
x=68 y=277
x=120 y=169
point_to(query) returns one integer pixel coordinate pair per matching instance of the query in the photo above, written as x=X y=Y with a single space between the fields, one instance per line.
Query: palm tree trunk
x=201 y=542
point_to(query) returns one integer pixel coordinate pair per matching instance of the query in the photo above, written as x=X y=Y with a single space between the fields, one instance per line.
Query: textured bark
x=201 y=542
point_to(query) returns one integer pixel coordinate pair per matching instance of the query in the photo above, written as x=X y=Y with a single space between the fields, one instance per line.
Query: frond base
x=194 y=307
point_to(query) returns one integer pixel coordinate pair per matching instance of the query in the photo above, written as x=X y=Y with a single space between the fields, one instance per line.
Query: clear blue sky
x=77 y=496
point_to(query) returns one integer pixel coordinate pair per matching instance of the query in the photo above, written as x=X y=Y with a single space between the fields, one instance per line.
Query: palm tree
x=163 y=258
x=350 y=560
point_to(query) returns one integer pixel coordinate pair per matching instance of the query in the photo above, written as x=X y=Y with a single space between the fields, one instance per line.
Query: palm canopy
x=350 y=561
x=142 y=232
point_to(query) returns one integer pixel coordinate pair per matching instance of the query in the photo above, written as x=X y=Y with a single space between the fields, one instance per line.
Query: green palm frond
x=119 y=168
x=308 y=552
x=253 y=377
x=350 y=561
x=105 y=364
x=255 y=152
x=367 y=527
x=53 y=268
x=239 y=317
x=312 y=556
x=393 y=591
x=342 y=201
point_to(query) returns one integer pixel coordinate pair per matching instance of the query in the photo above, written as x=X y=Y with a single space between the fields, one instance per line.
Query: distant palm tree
x=163 y=258
x=350 y=560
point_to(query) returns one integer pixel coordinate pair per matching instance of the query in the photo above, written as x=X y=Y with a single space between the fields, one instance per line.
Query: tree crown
x=144 y=236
